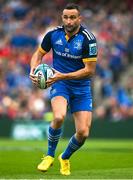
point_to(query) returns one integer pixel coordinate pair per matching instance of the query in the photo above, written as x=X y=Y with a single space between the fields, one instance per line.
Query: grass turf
x=97 y=159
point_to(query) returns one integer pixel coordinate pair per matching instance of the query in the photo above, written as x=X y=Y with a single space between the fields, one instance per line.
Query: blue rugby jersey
x=69 y=54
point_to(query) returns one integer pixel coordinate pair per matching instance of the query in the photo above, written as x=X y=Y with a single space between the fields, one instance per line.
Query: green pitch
x=97 y=159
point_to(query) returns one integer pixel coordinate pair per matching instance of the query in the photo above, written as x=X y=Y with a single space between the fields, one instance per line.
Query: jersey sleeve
x=89 y=52
x=46 y=43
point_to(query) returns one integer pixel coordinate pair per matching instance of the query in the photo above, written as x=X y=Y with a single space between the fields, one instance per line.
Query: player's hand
x=33 y=77
x=56 y=77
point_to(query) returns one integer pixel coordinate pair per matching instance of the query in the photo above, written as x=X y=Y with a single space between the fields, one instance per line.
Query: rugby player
x=74 y=59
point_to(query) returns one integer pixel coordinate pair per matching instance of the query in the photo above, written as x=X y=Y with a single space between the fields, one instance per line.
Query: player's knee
x=59 y=119
x=83 y=133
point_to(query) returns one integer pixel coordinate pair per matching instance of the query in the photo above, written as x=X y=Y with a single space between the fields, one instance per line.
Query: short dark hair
x=72 y=6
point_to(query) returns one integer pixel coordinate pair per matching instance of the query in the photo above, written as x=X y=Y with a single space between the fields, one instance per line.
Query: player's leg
x=59 y=99
x=81 y=107
x=82 y=123
x=59 y=107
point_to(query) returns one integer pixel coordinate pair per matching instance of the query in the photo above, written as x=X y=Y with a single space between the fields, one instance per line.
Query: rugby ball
x=43 y=73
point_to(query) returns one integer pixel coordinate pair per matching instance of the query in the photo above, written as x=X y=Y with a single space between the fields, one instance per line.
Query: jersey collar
x=70 y=38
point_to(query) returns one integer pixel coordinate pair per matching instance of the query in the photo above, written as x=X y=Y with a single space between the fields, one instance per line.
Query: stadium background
x=25 y=110
x=22 y=26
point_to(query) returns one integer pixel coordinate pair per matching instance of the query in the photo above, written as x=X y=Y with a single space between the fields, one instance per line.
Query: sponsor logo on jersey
x=67 y=55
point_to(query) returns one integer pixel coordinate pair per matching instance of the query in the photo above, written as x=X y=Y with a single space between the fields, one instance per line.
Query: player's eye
x=72 y=17
x=65 y=17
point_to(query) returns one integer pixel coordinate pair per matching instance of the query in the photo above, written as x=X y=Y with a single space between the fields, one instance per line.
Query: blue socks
x=53 y=138
x=73 y=146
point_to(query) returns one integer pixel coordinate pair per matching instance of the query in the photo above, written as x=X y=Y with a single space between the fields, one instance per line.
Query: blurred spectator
x=130 y=46
x=23 y=24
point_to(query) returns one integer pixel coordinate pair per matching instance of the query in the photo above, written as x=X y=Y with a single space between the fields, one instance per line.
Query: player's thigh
x=59 y=106
x=82 y=120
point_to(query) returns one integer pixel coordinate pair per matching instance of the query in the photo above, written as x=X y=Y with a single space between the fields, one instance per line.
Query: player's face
x=71 y=20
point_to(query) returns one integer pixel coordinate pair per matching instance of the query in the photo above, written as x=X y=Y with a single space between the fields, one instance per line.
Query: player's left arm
x=87 y=71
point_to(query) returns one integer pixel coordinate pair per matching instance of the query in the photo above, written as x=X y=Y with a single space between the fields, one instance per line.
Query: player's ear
x=80 y=18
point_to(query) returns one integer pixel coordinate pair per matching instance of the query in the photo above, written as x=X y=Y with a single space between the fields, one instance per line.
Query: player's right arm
x=36 y=60
x=38 y=55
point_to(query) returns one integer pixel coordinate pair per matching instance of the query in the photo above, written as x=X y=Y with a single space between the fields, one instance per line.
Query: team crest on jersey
x=59 y=42
x=93 y=49
x=78 y=45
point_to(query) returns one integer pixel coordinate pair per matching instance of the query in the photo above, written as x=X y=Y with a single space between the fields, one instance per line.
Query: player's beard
x=71 y=29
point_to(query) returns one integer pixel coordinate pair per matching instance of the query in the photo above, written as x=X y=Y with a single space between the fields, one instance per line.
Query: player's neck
x=73 y=33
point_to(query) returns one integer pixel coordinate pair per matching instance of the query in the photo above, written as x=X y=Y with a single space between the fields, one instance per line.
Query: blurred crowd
x=22 y=26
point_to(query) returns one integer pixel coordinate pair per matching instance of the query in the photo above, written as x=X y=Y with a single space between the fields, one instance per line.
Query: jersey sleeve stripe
x=91 y=35
x=87 y=35
x=89 y=59
x=42 y=50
